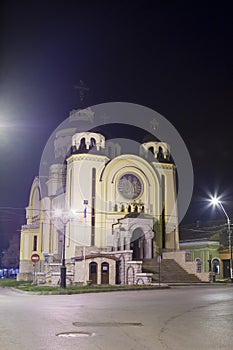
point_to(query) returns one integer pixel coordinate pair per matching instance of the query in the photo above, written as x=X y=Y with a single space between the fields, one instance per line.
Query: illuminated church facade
x=105 y=211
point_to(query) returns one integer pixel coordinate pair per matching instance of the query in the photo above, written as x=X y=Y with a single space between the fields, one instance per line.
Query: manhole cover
x=74 y=334
x=107 y=324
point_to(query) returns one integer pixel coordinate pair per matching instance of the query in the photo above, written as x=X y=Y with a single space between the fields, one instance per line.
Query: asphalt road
x=182 y=318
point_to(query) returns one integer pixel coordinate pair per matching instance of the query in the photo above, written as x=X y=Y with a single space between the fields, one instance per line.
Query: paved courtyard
x=191 y=317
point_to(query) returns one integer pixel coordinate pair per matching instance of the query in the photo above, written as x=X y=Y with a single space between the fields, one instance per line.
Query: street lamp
x=216 y=201
x=64 y=217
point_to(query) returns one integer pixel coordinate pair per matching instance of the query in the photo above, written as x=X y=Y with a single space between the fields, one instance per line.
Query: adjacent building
x=207 y=244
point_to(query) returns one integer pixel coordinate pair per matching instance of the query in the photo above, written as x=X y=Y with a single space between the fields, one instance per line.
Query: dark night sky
x=171 y=57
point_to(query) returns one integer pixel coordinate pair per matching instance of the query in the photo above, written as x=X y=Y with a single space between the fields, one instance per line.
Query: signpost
x=35 y=258
x=159 y=260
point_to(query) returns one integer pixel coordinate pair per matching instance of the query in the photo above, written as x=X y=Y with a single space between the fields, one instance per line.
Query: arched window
x=216 y=266
x=125 y=245
x=130 y=275
x=198 y=265
x=82 y=146
x=151 y=150
x=35 y=203
x=160 y=154
x=93 y=143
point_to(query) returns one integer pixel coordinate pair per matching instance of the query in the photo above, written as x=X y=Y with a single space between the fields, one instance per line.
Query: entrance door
x=137 y=244
x=93 y=272
x=118 y=277
x=226 y=268
x=104 y=273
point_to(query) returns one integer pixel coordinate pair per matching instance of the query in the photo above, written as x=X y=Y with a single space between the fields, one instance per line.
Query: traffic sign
x=35 y=258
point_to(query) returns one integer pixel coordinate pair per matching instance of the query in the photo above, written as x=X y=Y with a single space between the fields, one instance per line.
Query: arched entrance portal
x=141 y=243
x=137 y=244
x=135 y=234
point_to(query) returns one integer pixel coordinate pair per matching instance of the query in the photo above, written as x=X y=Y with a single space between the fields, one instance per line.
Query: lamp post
x=63 y=265
x=64 y=217
x=216 y=201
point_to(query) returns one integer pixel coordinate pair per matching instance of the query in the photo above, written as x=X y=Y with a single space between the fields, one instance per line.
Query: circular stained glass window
x=130 y=186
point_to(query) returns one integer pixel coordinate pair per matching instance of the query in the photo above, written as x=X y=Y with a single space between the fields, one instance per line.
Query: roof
x=95 y=255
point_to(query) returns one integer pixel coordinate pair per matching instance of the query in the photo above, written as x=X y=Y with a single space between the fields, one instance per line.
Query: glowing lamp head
x=58 y=213
x=215 y=201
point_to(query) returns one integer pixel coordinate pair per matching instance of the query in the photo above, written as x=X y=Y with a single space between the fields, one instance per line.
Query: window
x=199 y=265
x=35 y=243
x=215 y=266
x=104 y=268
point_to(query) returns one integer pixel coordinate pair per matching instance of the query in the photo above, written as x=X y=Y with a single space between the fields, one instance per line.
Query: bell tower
x=84 y=167
x=158 y=153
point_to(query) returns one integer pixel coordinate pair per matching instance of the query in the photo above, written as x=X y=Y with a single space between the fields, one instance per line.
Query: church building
x=104 y=211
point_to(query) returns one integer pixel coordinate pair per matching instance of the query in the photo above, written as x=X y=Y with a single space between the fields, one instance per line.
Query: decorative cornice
x=94 y=256
x=158 y=165
x=30 y=226
x=91 y=158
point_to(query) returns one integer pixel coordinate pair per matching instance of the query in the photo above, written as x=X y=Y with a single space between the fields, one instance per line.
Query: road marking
x=75 y=334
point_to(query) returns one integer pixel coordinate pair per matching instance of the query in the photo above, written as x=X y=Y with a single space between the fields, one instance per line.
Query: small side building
x=207 y=245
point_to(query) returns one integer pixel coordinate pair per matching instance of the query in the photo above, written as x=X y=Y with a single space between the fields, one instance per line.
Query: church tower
x=84 y=168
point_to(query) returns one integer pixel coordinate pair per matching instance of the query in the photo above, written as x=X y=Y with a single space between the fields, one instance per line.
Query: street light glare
x=215 y=201
x=57 y=213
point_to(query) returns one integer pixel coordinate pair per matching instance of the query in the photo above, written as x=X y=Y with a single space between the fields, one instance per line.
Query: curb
x=72 y=292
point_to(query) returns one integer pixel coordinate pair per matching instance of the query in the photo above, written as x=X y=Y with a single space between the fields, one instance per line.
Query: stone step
x=170 y=271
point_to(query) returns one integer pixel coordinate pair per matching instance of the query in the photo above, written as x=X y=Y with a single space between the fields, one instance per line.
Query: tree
x=10 y=257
